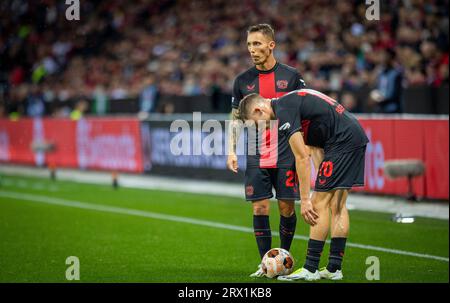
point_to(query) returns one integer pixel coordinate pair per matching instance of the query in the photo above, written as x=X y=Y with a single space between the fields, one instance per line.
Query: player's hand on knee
x=308 y=212
x=232 y=163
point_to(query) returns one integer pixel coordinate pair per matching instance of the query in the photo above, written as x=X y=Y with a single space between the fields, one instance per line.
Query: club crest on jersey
x=251 y=87
x=282 y=84
x=249 y=190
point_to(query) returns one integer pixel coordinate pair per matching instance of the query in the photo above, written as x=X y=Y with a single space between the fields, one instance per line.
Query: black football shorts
x=259 y=183
x=341 y=171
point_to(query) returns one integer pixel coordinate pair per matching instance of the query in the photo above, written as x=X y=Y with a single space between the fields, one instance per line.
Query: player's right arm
x=234 y=131
x=303 y=166
x=233 y=137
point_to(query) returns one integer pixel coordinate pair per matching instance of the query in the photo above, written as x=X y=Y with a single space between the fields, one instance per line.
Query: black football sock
x=287 y=230
x=337 y=248
x=313 y=254
x=261 y=226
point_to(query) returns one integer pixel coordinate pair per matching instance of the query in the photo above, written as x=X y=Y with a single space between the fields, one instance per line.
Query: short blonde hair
x=246 y=103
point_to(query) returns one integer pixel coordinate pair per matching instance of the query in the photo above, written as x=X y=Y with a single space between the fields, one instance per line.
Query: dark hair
x=392 y=54
x=264 y=28
x=245 y=104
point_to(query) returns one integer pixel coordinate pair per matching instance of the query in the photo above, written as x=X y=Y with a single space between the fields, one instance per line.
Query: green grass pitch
x=37 y=237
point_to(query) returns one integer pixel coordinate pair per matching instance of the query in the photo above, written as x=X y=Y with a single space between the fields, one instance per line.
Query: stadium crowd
x=143 y=49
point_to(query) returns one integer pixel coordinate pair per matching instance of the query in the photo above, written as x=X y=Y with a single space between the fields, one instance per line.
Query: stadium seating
x=192 y=48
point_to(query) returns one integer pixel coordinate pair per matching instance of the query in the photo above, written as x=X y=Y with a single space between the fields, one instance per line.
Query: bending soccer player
x=325 y=124
x=270 y=162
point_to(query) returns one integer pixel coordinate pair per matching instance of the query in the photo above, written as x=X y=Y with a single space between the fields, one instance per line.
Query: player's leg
x=261 y=225
x=288 y=223
x=286 y=186
x=316 y=242
x=340 y=221
x=321 y=199
x=340 y=224
x=261 y=228
x=351 y=166
x=319 y=232
x=258 y=190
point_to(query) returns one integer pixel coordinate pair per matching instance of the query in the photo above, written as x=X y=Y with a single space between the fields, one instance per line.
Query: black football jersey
x=324 y=122
x=269 y=149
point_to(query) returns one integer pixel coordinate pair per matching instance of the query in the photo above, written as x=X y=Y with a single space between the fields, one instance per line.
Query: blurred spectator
x=436 y=63
x=192 y=46
x=167 y=108
x=148 y=96
x=80 y=109
x=2 y=111
x=387 y=95
x=101 y=102
x=61 y=112
x=350 y=102
x=35 y=105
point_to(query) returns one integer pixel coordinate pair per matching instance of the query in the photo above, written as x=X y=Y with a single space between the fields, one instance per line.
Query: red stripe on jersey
x=337 y=107
x=267 y=85
x=304 y=92
x=269 y=147
x=305 y=128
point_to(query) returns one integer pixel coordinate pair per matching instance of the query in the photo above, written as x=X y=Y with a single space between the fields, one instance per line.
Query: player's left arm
x=317 y=155
x=303 y=166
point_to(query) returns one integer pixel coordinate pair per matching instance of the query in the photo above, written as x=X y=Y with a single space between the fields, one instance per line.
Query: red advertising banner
x=107 y=144
x=393 y=139
x=15 y=140
x=61 y=133
x=436 y=159
x=113 y=144
x=116 y=144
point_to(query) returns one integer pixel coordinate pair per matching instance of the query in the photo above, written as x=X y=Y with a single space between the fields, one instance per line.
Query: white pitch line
x=153 y=215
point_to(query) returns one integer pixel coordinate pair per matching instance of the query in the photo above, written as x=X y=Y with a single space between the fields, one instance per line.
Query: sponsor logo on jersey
x=251 y=87
x=285 y=126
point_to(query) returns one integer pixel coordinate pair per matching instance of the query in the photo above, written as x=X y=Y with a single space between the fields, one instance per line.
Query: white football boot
x=259 y=273
x=301 y=274
x=335 y=276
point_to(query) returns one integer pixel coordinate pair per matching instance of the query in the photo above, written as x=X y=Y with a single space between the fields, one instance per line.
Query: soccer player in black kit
x=271 y=162
x=308 y=117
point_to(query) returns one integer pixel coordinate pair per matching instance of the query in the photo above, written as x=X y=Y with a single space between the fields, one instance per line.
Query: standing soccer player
x=272 y=164
x=325 y=124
